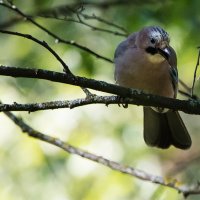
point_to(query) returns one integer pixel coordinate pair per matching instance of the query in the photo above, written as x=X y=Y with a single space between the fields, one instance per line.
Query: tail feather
x=180 y=136
x=165 y=129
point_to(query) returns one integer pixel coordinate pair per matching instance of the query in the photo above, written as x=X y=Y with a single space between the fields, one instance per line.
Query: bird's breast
x=137 y=71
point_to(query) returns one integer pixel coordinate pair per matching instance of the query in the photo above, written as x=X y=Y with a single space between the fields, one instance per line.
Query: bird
x=146 y=61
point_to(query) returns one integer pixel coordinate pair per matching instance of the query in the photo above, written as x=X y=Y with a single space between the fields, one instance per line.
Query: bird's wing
x=173 y=70
x=123 y=46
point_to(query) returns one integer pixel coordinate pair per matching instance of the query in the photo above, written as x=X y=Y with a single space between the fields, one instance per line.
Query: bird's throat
x=151 y=50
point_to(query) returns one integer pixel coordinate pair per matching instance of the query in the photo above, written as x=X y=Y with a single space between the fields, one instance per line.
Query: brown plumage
x=146 y=61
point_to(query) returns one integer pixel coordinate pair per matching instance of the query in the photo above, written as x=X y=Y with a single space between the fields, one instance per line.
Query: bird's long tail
x=165 y=129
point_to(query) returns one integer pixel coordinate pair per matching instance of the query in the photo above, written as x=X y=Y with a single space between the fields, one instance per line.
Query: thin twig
x=56 y=37
x=54 y=14
x=42 y=43
x=67 y=10
x=107 y=4
x=136 y=97
x=185 y=86
x=184 y=93
x=94 y=28
x=142 y=175
x=88 y=93
x=105 y=22
x=195 y=72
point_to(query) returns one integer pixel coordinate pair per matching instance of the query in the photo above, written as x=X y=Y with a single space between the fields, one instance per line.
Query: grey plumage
x=146 y=61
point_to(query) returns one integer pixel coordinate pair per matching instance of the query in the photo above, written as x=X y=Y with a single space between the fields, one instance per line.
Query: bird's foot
x=124 y=105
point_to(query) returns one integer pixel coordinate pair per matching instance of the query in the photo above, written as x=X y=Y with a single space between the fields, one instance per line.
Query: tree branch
x=58 y=39
x=195 y=72
x=94 y=17
x=136 y=97
x=66 y=11
x=132 y=97
x=93 y=28
x=53 y=35
x=42 y=43
x=142 y=175
x=110 y=4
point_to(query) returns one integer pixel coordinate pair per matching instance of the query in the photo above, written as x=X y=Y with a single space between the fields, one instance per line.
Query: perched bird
x=146 y=61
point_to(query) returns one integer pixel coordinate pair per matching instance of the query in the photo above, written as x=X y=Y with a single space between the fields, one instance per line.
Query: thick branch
x=185 y=190
x=133 y=96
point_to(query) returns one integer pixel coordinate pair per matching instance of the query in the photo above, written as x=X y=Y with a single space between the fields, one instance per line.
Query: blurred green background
x=31 y=169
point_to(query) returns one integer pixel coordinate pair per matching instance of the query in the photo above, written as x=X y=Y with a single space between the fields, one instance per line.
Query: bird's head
x=155 y=41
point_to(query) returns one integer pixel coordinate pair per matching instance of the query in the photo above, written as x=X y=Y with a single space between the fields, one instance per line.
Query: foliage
x=31 y=169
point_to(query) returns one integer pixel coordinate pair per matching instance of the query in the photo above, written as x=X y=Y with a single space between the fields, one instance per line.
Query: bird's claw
x=124 y=105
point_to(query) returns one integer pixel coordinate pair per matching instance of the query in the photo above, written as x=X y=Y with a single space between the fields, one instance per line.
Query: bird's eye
x=153 y=41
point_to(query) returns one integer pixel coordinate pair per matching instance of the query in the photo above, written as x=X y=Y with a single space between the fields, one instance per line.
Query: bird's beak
x=164 y=52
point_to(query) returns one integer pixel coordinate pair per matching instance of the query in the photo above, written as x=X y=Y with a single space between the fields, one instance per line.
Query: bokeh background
x=31 y=169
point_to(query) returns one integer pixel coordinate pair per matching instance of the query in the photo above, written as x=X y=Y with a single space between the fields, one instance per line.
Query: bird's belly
x=154 y=81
